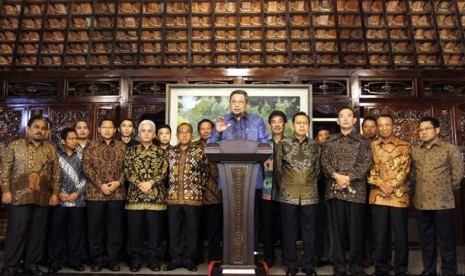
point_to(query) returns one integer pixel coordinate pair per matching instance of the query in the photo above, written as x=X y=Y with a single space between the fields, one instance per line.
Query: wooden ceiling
x=138 y=34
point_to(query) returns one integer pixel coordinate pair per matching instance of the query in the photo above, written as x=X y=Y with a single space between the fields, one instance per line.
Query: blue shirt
x=250 y=127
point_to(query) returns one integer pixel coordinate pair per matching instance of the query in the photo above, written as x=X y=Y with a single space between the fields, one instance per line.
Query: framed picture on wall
x=193 y=102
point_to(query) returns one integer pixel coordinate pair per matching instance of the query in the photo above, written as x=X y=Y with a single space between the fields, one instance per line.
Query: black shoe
x=292 y=271
x=192 y=268
x=77 y=267
x=269 y=262
x=11 y=271
x=322 y=262
x=96 y=268
x=53 y=269
x=35 y=271
x=134 y=268
x=309 y=272
x=113 y=267
x=170 y=267
x=368 y=262
x=155 y=267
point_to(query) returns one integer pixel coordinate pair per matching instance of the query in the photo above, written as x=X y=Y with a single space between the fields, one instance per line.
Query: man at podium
x=239 y=124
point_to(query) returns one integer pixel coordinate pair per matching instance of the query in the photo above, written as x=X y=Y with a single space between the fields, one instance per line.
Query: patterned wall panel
x=10 y=125
x=407 y=121
x=67 y=117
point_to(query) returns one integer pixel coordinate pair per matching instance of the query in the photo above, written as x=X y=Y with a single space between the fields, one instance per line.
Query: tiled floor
x=415 y=267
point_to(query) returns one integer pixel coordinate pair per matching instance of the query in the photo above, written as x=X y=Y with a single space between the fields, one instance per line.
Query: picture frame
x=192 y=102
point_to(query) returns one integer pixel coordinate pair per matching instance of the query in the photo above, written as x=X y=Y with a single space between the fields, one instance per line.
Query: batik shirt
x=31 y=172
x=188 y=175
x=438 y=172
x=297 y=169
x=349 y=155
x=142 y=165
x=391 y=166
x=103 y=163
x=72 y=178
x=211 y=194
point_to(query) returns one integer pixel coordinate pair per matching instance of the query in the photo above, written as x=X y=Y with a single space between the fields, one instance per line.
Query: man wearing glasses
x=438 y=171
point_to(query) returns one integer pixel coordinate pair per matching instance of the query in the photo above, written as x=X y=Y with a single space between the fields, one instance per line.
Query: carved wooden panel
x=406 y=121
x=104 y=112
x=387 y=88
x=63 y=117
x=137 y=112
x=444 y=88
x=445 y=119
x=93 y=88
x=36 y=111
x=10 y=125
x=328 y=87
x=373 y=111
x=153 y=88
x=32 y=89
x=326 y=110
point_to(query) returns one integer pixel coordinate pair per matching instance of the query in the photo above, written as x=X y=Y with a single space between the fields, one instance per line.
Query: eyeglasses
x=425 y=129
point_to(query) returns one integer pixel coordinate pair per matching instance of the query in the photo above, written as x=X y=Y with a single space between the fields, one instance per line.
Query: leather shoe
x=170 y=267
x=291 y=271
x=96 y=268
x=35 y=271
x=134 y=268
x=113 y=267
x=309 y=272
x=53 y=269
x=155 y=267
x=77 y=267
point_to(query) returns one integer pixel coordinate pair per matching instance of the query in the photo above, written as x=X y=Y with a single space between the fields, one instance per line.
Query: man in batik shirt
x=212 y=209
x=146 y=169
x=188 y=174
x=30 y=184
x=389 y=197
x=346 y=159
x=297 y=167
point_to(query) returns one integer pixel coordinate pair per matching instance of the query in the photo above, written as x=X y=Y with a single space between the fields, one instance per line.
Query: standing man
x=297 y=168
x=105 y=194
x=82 y=130
x=164 y=136
x=67 y=227
x=438 y=169
x=323 y=240
x=389 y=197
x=188 y=174
x=212 y=208
x=269 y=209
x=370 y=130
x=30 y=184
x=146 y=171
x=346 y=159
x=126 y=129
x=241 y=124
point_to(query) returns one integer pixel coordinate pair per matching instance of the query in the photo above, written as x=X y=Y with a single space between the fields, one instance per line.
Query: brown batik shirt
x=211 y=194
x=103 y=163
x=438 y=172
x=31 y=172
x=391 y=166
x=188 y=175
x=348 y=155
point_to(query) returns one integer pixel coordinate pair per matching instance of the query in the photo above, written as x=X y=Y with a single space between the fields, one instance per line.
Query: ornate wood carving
x=150 y=87
x=325 y=110
x=136 y=111
x=373 y=111
x=328 y=87
x=66 y=118
x=445 y=119
x=407 y=123
x=387 y=88
x=36 y=112
x=106 y=112
x=93 y=88
x=32 y=89
x=444 y=88
x=10 y=125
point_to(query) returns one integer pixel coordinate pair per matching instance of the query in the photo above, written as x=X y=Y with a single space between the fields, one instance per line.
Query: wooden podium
x=239 y=161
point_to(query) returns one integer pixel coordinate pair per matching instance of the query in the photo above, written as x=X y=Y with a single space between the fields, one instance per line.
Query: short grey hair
x=147 y=122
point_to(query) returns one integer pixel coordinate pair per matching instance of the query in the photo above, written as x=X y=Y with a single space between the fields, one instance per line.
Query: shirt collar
x=390 y=140
x=438 y=142
x=294 y=139
x=230 y=116
x=29 y=141
x=112 y=142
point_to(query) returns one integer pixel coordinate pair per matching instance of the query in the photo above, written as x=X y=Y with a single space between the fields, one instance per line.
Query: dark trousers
x=269 y=227
x=26 y=231
x=67 y=236
x=105 y=230
x=184 y=232
x=438 y=227
x=384 y=219
x=322 y=231
x=140 y=223
x=211 y=217
x=347 y=217
x=294 y=217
